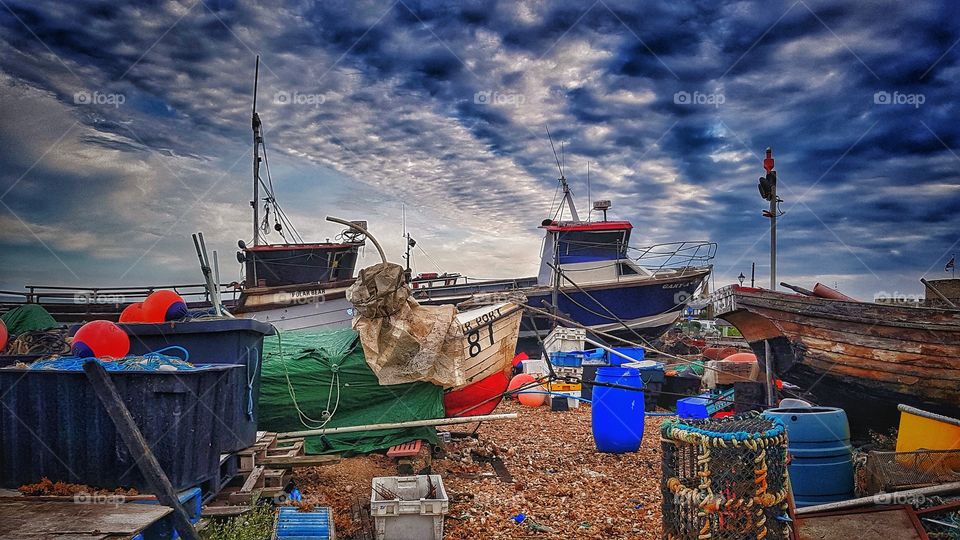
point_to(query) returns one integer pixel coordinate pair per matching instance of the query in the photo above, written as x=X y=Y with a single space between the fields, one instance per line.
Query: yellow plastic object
x=922 y=430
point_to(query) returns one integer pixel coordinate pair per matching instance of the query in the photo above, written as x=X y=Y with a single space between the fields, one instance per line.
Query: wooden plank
x=300 y=461
x=224 y=511
x=137 y=445
x=253 y=481
x=42 y=519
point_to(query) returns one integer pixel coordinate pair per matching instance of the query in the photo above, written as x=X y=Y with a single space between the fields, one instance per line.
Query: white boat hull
x=335 y=314
x=490 y=336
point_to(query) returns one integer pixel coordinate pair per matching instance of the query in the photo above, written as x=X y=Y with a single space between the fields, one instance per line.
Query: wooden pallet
x=264 y=472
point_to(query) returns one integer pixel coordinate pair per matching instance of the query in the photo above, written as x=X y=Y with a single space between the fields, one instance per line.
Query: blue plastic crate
x=636 y=353
x=190 y=499
x=575 y=358
x=295 y=525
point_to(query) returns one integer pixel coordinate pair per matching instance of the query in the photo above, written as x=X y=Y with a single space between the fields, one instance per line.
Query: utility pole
x=753 y=274
x=768 y=190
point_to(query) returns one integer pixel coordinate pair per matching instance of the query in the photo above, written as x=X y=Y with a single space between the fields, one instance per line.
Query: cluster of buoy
x=104 y=339
x=160 y=306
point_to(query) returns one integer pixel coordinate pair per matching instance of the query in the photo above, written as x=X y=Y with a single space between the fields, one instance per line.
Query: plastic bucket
x=821 y=469
x=617 y=414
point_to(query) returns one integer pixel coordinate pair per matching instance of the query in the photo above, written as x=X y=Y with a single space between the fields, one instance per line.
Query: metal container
x=821 y=469
x=53 y=425
x=216 y=341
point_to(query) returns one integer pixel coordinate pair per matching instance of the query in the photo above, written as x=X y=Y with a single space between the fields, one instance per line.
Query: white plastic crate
x=563 y=339
x=535 y=367
x=410 y=514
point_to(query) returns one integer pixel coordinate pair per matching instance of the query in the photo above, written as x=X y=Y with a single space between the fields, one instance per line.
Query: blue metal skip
x=295 y=525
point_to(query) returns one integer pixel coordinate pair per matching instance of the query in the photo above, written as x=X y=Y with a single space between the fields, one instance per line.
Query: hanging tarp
x=328 y=376
x=403 y=341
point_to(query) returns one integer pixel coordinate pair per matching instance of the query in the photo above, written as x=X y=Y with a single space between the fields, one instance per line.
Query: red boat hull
x=456 y=402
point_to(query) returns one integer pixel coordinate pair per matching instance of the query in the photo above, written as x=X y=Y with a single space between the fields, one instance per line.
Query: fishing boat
x=864 y=357
x=293 y=285
x=589 y=273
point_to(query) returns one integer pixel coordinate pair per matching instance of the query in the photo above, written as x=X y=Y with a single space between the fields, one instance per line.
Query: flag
x=951 y=264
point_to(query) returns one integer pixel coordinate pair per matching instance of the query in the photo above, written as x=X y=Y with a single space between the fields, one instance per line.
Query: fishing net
x=403 y=341
x=147 y=362
x=725 y=479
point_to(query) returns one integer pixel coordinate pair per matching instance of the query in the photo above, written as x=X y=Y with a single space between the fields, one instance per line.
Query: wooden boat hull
x=490 y=339
x=861 y=356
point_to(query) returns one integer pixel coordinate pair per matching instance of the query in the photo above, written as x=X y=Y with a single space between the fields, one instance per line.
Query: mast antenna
x=567 y=196
x=257 y=139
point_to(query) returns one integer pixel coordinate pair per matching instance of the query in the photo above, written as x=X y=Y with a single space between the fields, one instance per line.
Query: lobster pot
x=725 y=478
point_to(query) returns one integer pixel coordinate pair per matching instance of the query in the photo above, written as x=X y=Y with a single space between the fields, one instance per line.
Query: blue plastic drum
x=617 y=413
x=821 y=466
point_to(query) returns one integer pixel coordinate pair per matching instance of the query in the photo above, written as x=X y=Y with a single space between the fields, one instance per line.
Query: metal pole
x=256 y=165
x=773 y=238
x=753 y=274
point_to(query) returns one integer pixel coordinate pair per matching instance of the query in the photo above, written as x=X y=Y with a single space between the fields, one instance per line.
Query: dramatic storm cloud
x=126 y=128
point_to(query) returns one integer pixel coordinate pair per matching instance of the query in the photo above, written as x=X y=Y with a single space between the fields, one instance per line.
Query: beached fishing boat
x=864 y=357
x=591 y=274
x=293 y=285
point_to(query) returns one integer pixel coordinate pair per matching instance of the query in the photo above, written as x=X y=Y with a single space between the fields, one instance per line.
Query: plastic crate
x=402 y=508
x=190 y=500
x=636 y=353
x=562 y=339
x=292 y=524
x=575 y=358
x=564 y=387
x=54 y=425
x=571 y=402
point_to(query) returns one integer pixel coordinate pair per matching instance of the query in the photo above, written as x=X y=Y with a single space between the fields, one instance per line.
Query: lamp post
x=740 y=278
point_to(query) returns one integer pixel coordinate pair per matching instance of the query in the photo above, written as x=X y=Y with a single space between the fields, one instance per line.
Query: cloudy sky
x=127 y=127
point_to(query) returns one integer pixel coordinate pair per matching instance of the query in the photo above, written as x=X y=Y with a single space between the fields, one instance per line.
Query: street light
x=740 y=278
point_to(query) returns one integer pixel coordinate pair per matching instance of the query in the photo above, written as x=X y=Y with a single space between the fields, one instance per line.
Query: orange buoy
x=100 y=339
x=132 y=313
x=533 y=397
x=718 y=353
x=164 y=305
x=741 y=357
x=519 y=380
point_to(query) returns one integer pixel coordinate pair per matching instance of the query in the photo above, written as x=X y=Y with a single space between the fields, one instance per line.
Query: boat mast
x=257 y=139
x=567 y=195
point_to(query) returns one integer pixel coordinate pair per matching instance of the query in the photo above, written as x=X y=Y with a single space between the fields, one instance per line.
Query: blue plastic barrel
x=821 y=467
x=617 y=413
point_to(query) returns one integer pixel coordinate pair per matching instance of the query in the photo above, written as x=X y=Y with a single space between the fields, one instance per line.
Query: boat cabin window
x=581 y=246
x=627 y=270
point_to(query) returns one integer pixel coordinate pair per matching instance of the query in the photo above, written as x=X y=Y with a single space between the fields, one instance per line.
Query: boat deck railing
x=108 y=295
x=675 y=257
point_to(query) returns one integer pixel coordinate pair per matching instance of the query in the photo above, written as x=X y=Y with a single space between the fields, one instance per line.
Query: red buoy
x=164 y=305
x=132 y=313
x=100 y=339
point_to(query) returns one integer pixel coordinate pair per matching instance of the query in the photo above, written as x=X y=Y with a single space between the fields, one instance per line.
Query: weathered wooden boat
x=864 y=357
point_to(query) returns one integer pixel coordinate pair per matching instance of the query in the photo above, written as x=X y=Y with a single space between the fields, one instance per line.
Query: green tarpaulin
x=27 y=318
x=326 y=372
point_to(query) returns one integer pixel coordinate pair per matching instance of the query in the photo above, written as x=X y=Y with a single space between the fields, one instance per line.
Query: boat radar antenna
x=567 y=195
